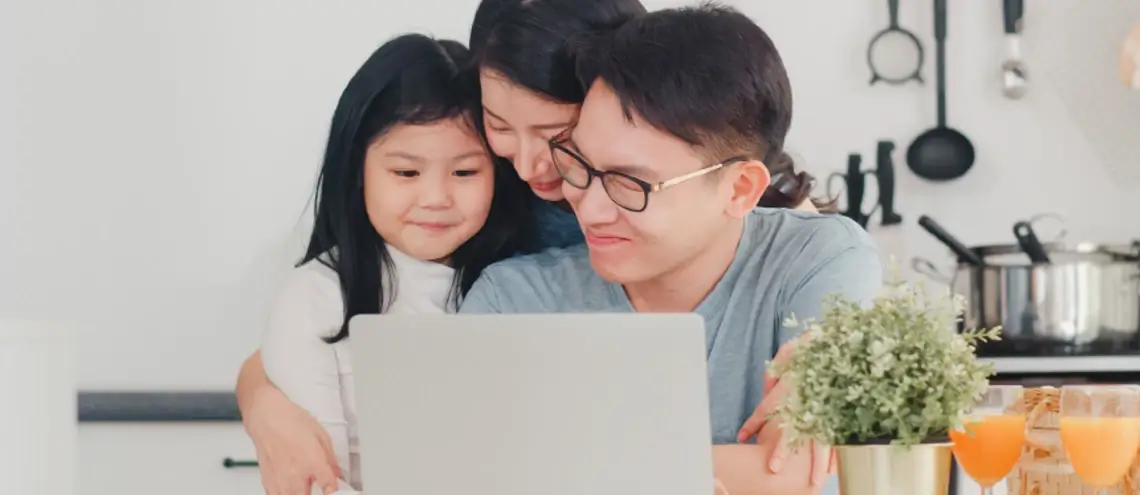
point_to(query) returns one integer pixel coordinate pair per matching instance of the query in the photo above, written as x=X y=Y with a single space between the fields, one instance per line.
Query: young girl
x=410 y=208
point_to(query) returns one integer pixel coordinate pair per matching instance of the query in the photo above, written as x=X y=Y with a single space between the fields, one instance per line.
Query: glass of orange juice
x=992 y=437
x=1100 y=430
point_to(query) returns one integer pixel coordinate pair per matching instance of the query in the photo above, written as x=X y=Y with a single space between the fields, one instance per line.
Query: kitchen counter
x=157 y=406
x=1066 y=364
x=109 y=406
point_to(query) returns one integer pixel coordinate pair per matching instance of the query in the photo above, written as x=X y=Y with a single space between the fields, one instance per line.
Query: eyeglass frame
x=557 y=143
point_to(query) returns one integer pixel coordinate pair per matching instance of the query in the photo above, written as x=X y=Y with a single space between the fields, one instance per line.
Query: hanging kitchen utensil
x=941 y=153
x=854 y=185
x=1015 y=79
x=885 y=176
x=1030 y=244
x=895 y=55
x=965 y=255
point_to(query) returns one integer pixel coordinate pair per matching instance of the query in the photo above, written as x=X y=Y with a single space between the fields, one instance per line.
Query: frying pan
x=941 y=153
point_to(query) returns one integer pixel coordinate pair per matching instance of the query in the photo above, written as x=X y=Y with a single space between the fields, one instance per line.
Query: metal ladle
x=1015 y=79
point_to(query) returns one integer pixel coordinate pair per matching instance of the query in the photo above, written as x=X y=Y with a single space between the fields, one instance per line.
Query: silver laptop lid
x=601 y=404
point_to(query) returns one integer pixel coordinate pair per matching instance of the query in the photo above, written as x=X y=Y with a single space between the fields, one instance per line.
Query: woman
x=530 y=94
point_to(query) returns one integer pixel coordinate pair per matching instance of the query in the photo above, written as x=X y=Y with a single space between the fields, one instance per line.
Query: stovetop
x=1103 y=358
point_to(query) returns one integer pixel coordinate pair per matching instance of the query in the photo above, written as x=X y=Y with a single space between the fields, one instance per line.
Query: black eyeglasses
x=624 y=190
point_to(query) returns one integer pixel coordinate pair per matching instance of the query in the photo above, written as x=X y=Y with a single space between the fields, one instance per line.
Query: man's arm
x=854 y=272
x=743 y=468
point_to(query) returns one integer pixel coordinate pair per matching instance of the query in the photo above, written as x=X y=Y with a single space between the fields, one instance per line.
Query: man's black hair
x=708 y=75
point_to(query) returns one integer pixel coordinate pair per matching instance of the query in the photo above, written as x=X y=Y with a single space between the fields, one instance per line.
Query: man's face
x=677 y=223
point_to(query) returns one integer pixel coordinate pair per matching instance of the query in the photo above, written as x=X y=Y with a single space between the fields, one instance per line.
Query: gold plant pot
x=889 y=470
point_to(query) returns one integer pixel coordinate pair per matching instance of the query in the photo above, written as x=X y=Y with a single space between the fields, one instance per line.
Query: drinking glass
x=994 y=437
x=1100 y=431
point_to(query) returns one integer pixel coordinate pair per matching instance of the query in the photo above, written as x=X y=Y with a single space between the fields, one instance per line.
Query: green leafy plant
x=896 y=371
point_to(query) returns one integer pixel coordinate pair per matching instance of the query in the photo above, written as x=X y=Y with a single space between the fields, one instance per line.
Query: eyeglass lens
x=623 y=190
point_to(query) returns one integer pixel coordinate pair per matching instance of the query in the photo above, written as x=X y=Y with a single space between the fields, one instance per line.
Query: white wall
x=156 y=157
x=1034 y=155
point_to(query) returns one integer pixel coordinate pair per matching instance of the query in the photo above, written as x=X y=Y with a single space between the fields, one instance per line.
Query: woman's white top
x=317 y=376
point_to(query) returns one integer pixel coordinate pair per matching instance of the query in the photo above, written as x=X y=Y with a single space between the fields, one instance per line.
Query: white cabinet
x=166 y=458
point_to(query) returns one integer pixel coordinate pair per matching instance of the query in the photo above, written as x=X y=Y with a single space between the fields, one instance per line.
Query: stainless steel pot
x=1087 y=293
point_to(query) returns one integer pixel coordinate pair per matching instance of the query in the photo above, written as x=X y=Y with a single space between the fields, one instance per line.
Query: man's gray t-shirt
x=787 y=262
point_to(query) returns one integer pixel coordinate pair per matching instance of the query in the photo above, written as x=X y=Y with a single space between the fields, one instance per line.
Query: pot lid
x=1128 y=251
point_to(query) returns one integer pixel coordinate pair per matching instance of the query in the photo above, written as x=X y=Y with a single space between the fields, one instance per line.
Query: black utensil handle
x=885 y=176
x=1013 y=11
x=854 y=185
x=940 y=58
x=893 y=10
x=964 y=254
x=1029 y=242
x=231 y=463
x=940 y=20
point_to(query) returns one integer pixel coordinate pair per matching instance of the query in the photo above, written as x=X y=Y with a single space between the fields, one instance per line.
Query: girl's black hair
x=411 y=79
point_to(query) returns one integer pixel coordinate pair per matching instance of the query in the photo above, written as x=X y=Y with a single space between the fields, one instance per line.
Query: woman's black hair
x=535 y=44
x=411 y=79
x=530 y=41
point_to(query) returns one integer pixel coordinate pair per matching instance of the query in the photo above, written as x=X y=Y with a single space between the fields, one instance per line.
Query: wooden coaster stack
x=1044 y=467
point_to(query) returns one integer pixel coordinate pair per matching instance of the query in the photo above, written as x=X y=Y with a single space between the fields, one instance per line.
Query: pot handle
x=1040 y=218
x=927 y=268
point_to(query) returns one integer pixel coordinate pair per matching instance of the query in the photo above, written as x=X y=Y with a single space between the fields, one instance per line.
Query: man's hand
x=823 y=458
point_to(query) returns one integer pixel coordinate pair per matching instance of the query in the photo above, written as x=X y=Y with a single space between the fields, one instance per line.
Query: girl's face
x=519 y=125
x=428 y=188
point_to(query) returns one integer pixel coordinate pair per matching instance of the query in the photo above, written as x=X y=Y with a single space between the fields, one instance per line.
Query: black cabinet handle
x=230 y=463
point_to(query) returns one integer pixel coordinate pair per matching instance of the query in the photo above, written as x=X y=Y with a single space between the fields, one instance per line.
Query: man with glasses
x=663 y=170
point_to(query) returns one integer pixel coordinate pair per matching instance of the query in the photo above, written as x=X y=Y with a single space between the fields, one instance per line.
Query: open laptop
x=556 y=404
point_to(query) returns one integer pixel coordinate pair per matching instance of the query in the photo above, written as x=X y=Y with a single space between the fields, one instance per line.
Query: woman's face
x=428 y=188
x=519 y=123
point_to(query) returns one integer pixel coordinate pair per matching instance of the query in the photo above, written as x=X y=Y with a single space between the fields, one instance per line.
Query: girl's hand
x=293 y=450
x=823 y=457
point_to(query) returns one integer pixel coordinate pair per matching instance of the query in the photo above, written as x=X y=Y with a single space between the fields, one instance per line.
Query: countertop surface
x=97 y=406
x=1066 y=364
x=172 y=406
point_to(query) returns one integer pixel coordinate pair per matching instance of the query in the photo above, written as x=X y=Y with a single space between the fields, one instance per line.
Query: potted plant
x=884 y=384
